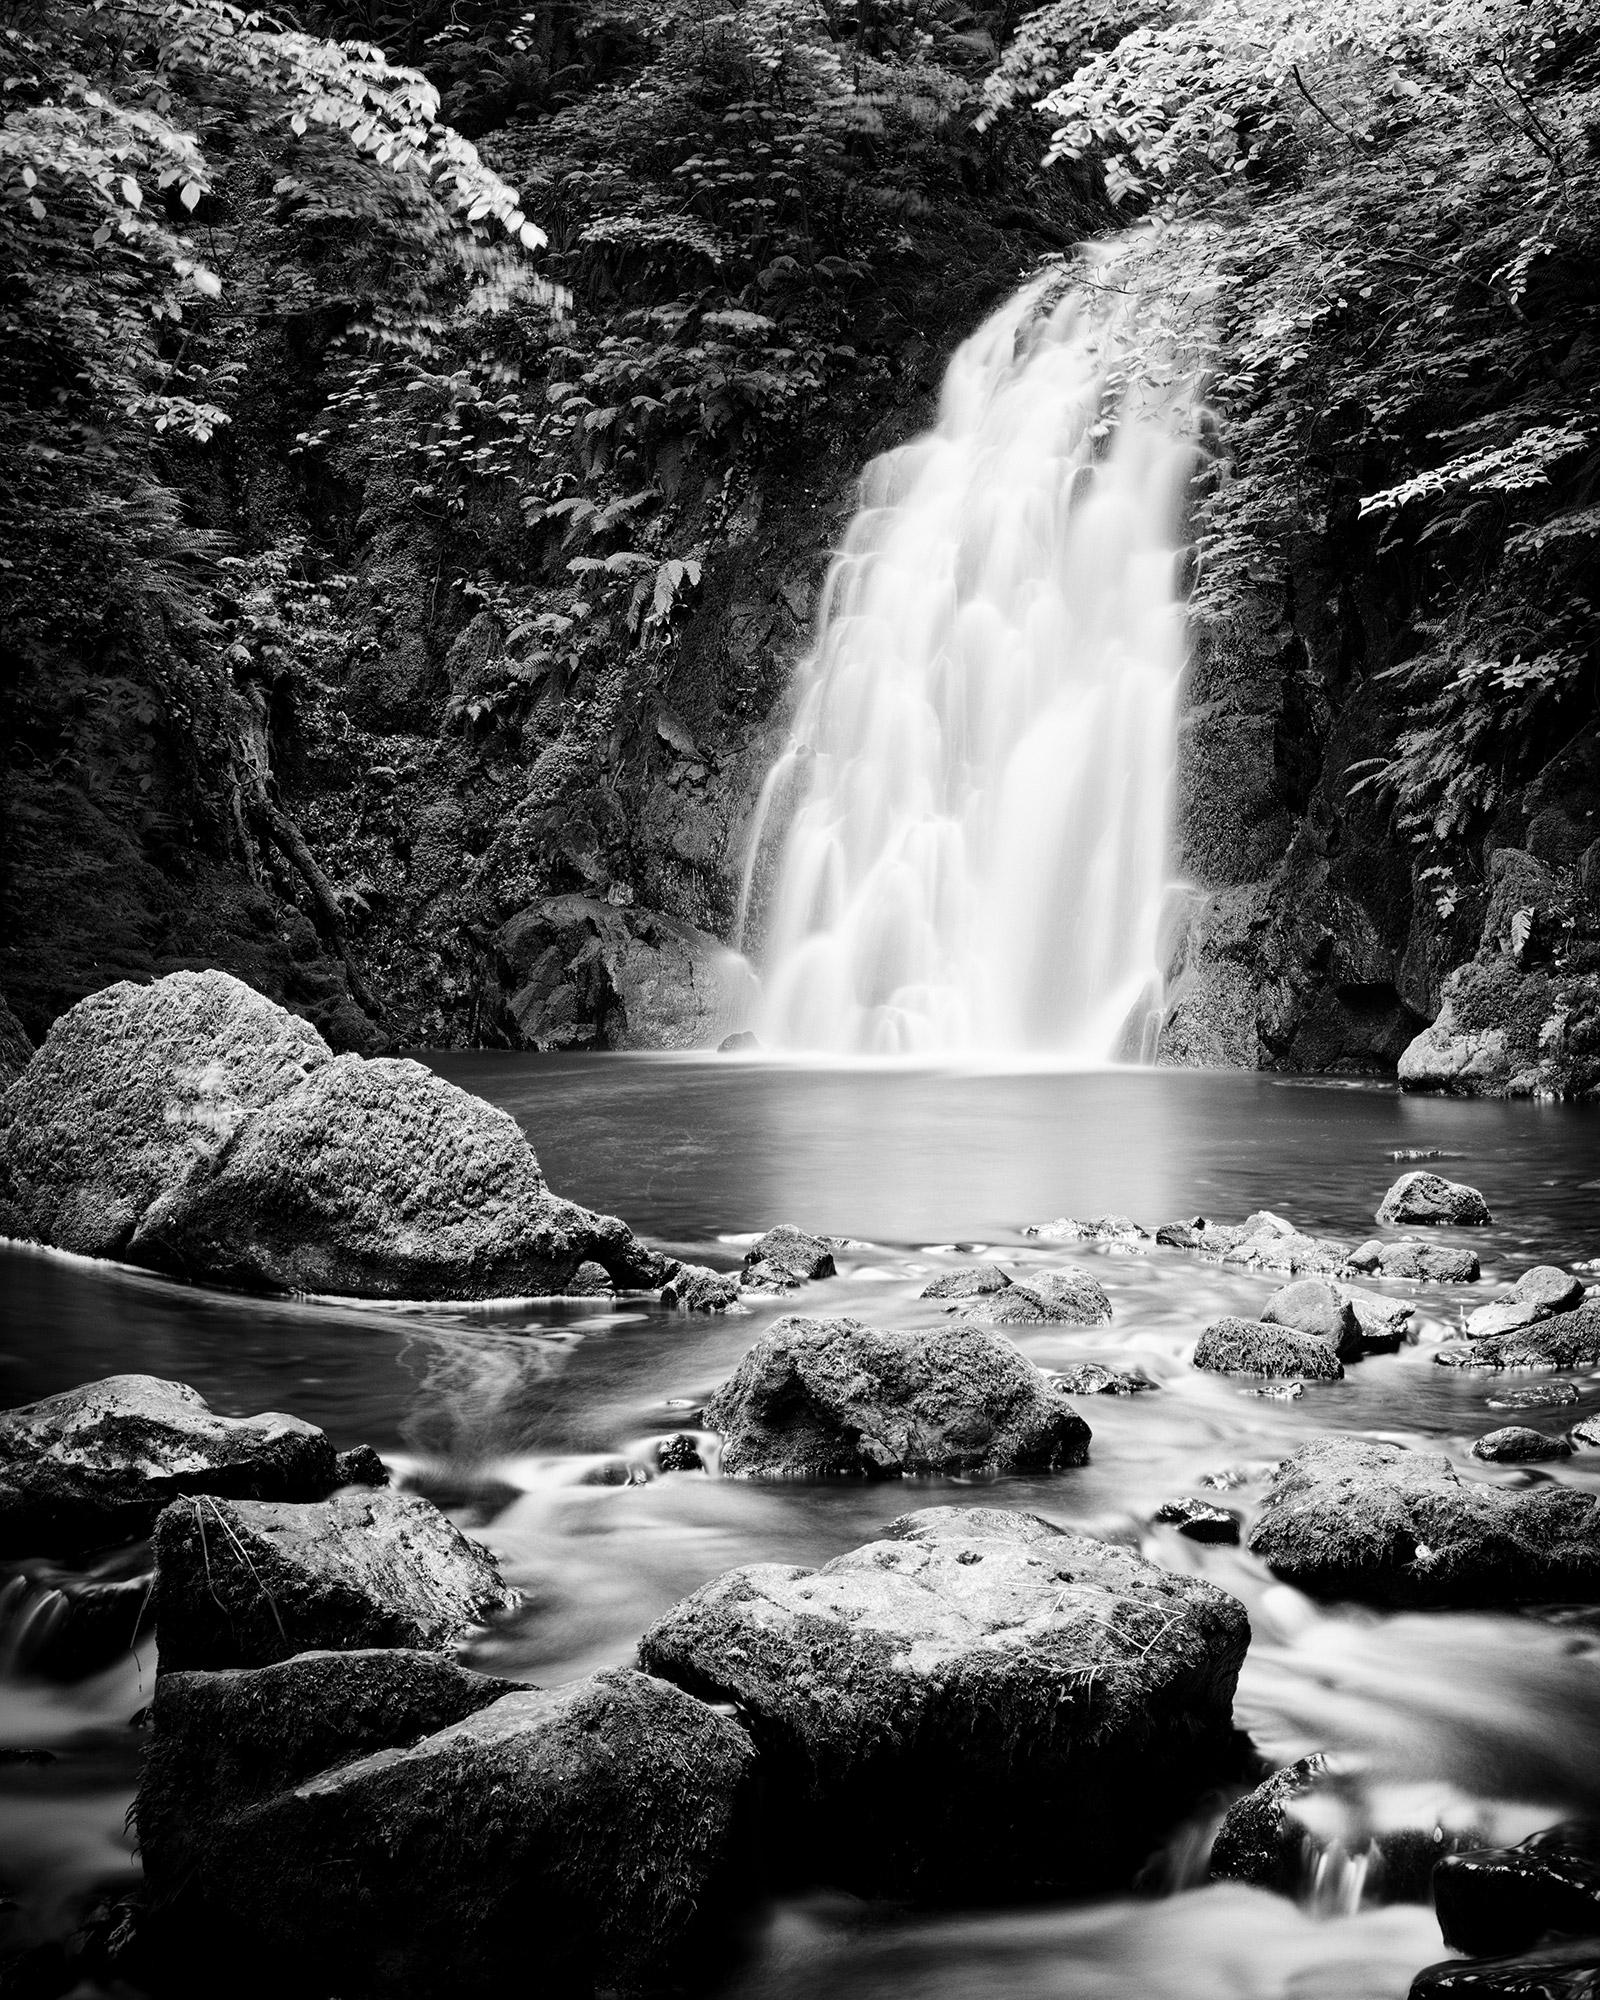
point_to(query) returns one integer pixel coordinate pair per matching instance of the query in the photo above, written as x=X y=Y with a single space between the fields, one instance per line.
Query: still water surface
x=534 y=1426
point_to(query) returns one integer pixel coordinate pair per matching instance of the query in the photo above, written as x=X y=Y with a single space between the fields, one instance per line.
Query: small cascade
x=964 y=846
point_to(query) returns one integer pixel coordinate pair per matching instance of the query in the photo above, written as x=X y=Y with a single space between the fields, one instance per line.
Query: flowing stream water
x=535 y=1427
x=966 y=833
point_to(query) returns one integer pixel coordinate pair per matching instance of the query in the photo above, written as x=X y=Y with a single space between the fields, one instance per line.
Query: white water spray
x=973 y=803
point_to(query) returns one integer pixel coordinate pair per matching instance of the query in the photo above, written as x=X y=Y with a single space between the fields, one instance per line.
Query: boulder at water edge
x=94 y=1467
x=697 y=1288
x=1311 y=1305
x=1537 y=1295
x=1345 y=1517
x=1517 y=1444
x=1424 y=1197
x=1267 y=1242
x=980 y=1705
x=194 y=1126
x=971 y=1281
x=1251 y=1347
x=1505 y=1899
x=821 y=1398
x=1411 y=1258
x=1120 y=1231
x=1565 y=1340
x=786 y=1258
x=572 y=1839
x=243 y=1583
x=1066 y=1296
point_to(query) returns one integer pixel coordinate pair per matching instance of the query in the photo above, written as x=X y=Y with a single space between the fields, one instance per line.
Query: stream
x=534 y=1426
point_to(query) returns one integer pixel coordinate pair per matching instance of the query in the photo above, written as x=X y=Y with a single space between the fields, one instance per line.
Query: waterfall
x=963 y=847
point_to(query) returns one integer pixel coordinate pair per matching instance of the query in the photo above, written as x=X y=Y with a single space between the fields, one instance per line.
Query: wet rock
x=1561 y=1972
x=243 y=1583
x=786 y=1258
x=1549 y=1287
x=380 y=1180
x=1566 y=1340
x=1199 y=1520
x=1065 y=1297
x=1516 y=1444
x=1180 y=1235
x=972 y=1281
x=697 y=1288
x=1311 y=1305
x=680 y=1453
x=1260 y=1841
x=1382 y=1325
x=1507 y=1899
x=59 y=1624
x=220 y=1742
x=1348 y=1518
x=1429 y=1263
x=1585 y=1436
x=134 y=1089
x=95 y=1466
x=826 y=1398
x=1250 y=1347
x=1425 y=1197
x=589 y=1281
x=977 y=1670
x=599 y=1824
x=1119 y=1230
x=1541 y=1396
x=1266 y=1242
x=1093 y=1379
x=743 y=1041
x=1280 y=1392
x=360 y=1466
x=1504 y=1316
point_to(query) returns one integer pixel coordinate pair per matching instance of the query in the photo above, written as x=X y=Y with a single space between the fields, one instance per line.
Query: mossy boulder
x=977 y=1705
x=1066 y=1296
x=828 y=1398
x=1251 y=1347
x=247 y=1582
x=1424 y=1197
x=1564 y=1340
x=1349 y=1518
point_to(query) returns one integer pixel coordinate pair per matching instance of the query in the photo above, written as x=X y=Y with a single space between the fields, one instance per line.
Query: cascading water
x=966 y=836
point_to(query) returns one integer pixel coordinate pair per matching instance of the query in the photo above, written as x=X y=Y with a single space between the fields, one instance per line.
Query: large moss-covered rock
x=979 y=1704
x=1251 y=1347
x=246 y=1582
x=382 y=1180
x=1346 y=1517
x=95 y=1466
x=133 y=1090
x=574 y=1839
x=818 y=1398
x=1564 y=1340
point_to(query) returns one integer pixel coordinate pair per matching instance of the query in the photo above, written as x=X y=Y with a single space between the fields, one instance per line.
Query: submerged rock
x=1199 y=1520
x=1121 y=1230
x=1425 y=1197
x=1411 y=1258
x=597 y=1825
x=95 y=1466
x=1507 y=1899
x=243 y=1583
x=972 y=1281
x=1559 y=1972
x=1565 y=1340
x=680 y=1453
x=1346 y=1517
x=786 y=1258
x=1064 y=1297
x=697 y=1288
x=196 y=1127
x=1539 y=1396
x=823 y=1398
x=1516 y=1444
x=1250 y=1347
x=1094 y=1379
x=980 y=1670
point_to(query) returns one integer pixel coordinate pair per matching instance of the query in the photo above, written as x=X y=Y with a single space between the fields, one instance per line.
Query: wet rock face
x=245 y=1583
x=1517 y=1444
x=826 y=1398
x=1345 y=1518
x=133 y=1090
x=977 y=1670
x=1424 y=1197
x=1199 y=1520
x=786 y=1258
x=598 y=1823
x=195 y=1127
x=1508 y=1899
x=1260 y=1841
x=94 y=1467
x=1250 y=1347
x=1427 y=1263
x=1558 y=1972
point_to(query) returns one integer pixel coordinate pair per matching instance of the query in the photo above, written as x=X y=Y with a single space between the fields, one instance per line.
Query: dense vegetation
x=385 y=550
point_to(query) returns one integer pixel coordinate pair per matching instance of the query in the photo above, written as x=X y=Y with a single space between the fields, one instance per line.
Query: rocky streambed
x=1244 y=1568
